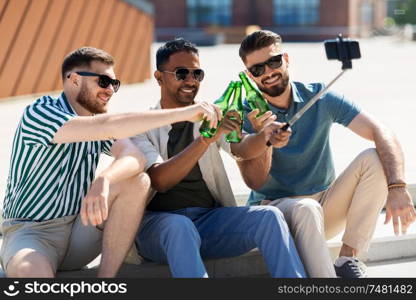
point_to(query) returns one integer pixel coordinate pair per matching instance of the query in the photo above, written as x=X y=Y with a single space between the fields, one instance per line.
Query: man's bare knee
x=144 y=182
x=140 y=186
x=138 y=183
x=135 y=187
x=28 y=263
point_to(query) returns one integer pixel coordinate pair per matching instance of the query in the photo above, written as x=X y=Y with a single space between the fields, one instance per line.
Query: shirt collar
x=295 y=93
x=65 y=104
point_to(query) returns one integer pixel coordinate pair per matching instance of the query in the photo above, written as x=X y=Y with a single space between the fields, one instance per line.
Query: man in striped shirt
x=56 y=215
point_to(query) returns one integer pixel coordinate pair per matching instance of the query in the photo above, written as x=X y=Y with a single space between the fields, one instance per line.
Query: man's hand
x=277 y=137
x=261 y=122
x=269 y=128
x=230 y=122
x=399 y=207
x=205 y=111
x=94 y=207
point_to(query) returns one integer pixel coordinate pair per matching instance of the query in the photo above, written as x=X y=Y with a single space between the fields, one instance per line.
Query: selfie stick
x=311 y=102
x=346 y=64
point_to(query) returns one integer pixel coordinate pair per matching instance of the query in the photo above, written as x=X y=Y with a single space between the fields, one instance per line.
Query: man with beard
x=299 y=178
x=192 y=214
x=54 y=211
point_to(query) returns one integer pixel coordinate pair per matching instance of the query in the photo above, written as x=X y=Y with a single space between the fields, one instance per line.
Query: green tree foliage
x=405 y=12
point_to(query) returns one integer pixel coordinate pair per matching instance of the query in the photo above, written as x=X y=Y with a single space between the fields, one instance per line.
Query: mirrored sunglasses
x=182 y=73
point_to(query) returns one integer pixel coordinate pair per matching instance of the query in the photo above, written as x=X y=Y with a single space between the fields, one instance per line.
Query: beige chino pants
x=353 y=202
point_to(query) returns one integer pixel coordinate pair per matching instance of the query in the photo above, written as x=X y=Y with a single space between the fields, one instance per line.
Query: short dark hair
x=258 y=40
x=172 y=47
x=83 y=57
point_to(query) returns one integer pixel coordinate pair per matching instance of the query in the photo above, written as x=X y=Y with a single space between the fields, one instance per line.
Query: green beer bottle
x=253 y=96
x=237 y=105
x=222 y=102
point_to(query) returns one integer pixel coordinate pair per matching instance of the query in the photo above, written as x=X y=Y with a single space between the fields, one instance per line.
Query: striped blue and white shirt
x=48 y=180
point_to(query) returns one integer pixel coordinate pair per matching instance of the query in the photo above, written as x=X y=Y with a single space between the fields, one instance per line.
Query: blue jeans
x=184 y=237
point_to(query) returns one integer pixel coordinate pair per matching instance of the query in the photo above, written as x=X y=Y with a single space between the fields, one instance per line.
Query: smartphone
x=343 y=49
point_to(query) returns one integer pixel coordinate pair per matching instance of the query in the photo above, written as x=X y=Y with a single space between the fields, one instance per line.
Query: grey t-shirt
x=192 y=191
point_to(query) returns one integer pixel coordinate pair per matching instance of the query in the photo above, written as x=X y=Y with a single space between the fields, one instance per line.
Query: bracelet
x=396 y=185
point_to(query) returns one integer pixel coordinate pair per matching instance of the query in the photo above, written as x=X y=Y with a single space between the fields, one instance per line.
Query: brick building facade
x=293 y=19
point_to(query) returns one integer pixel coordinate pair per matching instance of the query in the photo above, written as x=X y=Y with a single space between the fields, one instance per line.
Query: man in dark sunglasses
x=57 y=216
x=192 y=214
x=299 y=178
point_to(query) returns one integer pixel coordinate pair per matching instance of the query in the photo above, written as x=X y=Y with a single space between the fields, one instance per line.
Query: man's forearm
x=118 y=126
x=391 y=155
x=387 y=146
x=166 y=175
x=252 y=146
x=255 y=171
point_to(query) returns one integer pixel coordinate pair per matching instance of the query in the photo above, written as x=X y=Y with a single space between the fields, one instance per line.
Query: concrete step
x=384 y=244
x=397 y=268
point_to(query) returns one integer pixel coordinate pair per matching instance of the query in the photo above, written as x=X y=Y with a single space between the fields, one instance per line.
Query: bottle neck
x=246 y=82
x=229 y=92
x=237 y=101
x=225 y=98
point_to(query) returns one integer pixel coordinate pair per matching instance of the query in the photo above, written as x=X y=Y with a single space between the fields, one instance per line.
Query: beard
x=278 y=89
x=87 y=100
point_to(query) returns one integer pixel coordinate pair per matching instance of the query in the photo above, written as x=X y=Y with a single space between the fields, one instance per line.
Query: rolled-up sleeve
x=149 y=150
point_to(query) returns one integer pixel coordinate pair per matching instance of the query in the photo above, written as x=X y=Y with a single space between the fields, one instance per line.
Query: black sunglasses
x=273 y=62
x=103 y=80
x=182 y=73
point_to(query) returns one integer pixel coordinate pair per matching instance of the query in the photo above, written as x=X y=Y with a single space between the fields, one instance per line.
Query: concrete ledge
x=252 y=264
x=391 y=249
x=248 y=265
x=382 y=249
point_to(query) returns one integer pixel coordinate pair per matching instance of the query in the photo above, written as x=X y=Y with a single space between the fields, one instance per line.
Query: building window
x=367 y=13
x=209 y=12
x=296 y=12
